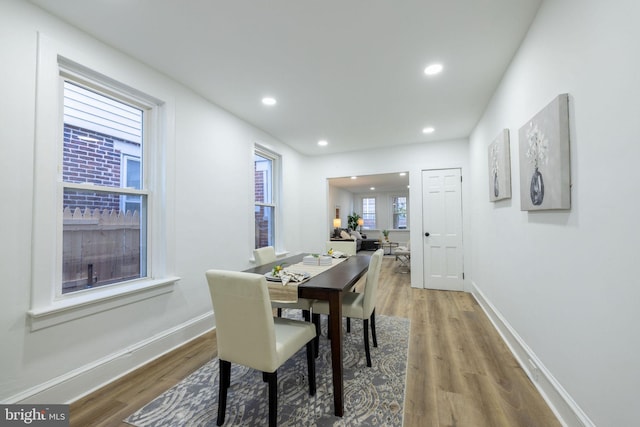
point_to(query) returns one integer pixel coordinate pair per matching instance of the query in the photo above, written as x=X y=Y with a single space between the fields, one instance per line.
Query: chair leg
x=316 y=341
x=224 y=381
x=228 y=377
x=273 y=398
x=373 y=328
x=348 y=324
x=279 y=312
x=311 y=367
x=365 y=324
x=306 y=315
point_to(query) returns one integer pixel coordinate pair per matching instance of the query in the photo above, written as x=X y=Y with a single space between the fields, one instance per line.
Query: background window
x=265 y=189
x=399 y=208
x=369 y=212
x=132 y=178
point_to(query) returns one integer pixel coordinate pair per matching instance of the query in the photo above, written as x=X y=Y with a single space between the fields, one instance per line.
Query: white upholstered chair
x=249 y=335
x=403 y=255
x=361 y=305
x=266 y=255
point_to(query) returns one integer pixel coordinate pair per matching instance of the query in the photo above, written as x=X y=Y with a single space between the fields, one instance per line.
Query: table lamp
x=337 y=223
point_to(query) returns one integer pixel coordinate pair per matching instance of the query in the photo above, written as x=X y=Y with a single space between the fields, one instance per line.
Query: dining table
x=329 y=285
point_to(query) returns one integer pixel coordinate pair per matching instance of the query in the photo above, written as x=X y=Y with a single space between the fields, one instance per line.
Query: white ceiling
x=348 y=71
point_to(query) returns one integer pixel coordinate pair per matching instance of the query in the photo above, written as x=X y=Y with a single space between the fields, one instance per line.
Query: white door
x=442 y=229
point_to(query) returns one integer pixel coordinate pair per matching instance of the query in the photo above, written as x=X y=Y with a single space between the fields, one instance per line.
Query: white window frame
x=393 y=196
x=276 y=189
x=375 y=226
x=48 y=306
x=124 y=165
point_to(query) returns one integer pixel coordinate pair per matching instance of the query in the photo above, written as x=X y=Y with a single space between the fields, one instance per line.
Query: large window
x=399 y=209
x=266 y=167
x=103 y=185
x=369 y=212
x=103 y=195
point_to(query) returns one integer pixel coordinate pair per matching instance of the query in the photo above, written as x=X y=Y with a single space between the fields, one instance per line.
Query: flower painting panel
x=545 y=176
x=500 y=168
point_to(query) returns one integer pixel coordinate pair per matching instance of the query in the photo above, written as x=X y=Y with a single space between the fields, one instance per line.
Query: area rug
x=372 y=396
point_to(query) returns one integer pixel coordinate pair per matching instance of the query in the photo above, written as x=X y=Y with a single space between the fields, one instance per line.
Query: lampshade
x=337 y=223
x=360 y=222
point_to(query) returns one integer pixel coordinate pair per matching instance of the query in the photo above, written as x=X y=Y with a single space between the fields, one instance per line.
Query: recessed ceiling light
x=403 y=173
x=322 y=143
x=428 y=130
x=267 y=100
x=433 y=69
x=354 y=177
x=372 y=188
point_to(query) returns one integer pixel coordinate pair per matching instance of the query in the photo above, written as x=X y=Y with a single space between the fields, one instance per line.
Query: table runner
x=289 y=292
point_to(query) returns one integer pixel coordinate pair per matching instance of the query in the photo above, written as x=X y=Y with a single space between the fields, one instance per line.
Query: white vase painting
x=500 y=167
x=545 y=175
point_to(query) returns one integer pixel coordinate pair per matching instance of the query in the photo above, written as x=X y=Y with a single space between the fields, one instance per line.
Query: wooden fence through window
x=99 y=247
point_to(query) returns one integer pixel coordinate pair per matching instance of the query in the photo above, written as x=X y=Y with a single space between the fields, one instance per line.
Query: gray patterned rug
x=372 y=396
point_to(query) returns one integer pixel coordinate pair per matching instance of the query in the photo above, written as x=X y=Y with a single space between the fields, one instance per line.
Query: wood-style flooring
x=459 y=373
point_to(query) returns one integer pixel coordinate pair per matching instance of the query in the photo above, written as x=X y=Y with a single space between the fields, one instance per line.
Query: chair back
x=244 y=319
x=371 y=285
x=404 y=249
x=264 y=255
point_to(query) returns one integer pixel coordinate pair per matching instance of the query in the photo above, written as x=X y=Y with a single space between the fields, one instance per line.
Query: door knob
x=426 y=234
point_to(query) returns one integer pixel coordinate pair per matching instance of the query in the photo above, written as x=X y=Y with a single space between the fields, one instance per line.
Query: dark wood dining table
x=329 y=286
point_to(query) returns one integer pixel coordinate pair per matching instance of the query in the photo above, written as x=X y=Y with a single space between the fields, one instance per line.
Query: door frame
x=422 y=282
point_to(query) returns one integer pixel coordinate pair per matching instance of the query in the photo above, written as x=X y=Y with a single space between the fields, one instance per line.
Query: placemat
x=289 y=292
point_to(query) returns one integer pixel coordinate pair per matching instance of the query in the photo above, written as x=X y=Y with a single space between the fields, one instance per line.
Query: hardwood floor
x=459 y=371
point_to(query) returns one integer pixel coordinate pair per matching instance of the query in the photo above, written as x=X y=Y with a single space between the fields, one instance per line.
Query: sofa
x=343 y=234
x=362 y=243
x=368 y=244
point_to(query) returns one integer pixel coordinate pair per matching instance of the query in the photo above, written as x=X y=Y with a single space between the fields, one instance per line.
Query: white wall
x=561 y=283
x=384 y=210
x=352 y=202
x=210 y=225
x=564 y=282
x=211 y=220
x=342 y=198
x=413 y=158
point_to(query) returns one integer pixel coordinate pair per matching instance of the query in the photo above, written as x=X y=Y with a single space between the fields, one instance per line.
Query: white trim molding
x=560 y=402
x=80 y=382
x=84 y=304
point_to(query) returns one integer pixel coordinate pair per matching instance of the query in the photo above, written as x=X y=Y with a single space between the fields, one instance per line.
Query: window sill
x=87 y=303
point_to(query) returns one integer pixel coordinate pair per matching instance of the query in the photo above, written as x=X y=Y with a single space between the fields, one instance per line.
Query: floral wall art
x=500 y=167
x=545 y=178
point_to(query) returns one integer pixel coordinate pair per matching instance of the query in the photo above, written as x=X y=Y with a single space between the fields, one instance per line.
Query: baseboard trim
x=560 y=402
x=78 y=383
